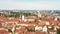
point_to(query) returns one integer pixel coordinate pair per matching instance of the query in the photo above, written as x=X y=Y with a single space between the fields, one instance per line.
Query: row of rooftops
x=29 y=20
x=30 y=23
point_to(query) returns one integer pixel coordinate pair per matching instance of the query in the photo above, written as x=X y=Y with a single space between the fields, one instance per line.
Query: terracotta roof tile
x=39 y=32
x=59 y=24
x=4 y=32
x=30 y=33
x=41 y=24
x=52 y=31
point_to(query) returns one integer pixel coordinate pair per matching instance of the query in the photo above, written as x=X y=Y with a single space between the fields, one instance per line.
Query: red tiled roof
x=17 y=31
x=2 y=21
x=20 y=32
x=50 y=19
x=30 y=33
x=3 y=32
x=23 y=29
x=18 y=26
x=54 y=22
x=10 y=26
x=59 y=24
x=41 y=24
x=23 y=22
x=31 y=26
x=39 y=32
x=52 y=31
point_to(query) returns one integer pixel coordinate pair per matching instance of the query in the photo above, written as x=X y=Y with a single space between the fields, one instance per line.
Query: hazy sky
x=30 y=4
